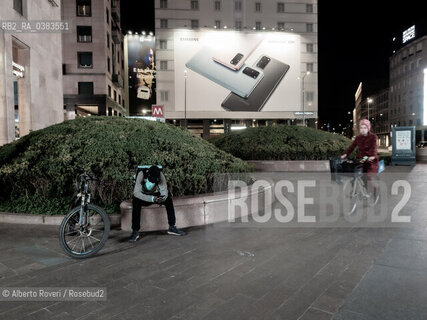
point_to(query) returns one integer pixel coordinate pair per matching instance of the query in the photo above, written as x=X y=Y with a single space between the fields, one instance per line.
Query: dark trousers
x=136 y=211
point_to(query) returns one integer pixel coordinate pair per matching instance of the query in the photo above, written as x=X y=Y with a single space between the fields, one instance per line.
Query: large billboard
x=229 y=71
x=142 y=73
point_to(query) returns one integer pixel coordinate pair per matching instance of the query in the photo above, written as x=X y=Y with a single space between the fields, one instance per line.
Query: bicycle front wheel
x=83 y=241
x=349 y=196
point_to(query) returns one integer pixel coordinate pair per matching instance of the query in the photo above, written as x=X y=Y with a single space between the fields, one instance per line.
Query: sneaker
x=134 y=236
x=175 y=231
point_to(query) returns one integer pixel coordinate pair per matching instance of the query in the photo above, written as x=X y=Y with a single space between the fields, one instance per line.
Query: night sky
x=355 y=42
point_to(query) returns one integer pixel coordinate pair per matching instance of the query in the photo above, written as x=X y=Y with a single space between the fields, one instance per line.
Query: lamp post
x=303 y=106
x=369 y=101
x=185 y=99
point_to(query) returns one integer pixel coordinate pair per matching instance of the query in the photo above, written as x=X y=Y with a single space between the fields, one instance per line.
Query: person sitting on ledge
x=152 y=188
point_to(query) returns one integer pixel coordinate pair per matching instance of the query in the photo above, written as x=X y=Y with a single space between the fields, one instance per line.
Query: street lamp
x=303 y=106
x=369 y=101
x=185 y=99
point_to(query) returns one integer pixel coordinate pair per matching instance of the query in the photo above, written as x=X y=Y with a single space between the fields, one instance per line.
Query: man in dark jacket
x=151 y=188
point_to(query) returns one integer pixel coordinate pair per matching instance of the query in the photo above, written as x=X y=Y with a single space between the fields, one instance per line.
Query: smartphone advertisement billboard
x=142 y=73
x=229 y=71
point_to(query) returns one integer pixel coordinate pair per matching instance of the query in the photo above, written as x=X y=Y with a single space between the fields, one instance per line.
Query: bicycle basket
x=343 y=168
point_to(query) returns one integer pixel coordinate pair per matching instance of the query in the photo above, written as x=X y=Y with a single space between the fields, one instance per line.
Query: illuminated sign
x=217 y=73
x=157 y=111
x=425 y=97
x=18 y=70
x=408 y=34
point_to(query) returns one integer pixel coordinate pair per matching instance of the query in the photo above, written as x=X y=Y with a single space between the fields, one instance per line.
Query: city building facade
x=295 y=18
x=31 y=91
x=374 y=107
x=93 y=59
x=408 y=77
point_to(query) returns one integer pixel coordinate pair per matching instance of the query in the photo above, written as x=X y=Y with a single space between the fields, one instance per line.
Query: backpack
x=144 y=169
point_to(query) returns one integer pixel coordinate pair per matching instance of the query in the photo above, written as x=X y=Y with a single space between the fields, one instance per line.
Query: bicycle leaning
x=85 y=228
x=349 y=173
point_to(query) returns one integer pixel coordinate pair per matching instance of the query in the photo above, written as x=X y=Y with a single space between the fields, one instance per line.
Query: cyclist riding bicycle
x=366 y=142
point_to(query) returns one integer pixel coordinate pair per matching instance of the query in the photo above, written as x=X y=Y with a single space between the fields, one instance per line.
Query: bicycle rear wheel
x=84 y=241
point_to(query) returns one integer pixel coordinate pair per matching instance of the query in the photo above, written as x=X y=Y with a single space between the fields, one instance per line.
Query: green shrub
x=37 y=172
x=282 y=143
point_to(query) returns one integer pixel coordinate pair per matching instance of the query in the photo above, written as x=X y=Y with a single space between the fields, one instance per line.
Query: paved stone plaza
x=223 y=272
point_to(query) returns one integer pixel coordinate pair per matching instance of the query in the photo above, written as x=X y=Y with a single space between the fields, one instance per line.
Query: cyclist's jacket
x=367 y=146
x=140 y=192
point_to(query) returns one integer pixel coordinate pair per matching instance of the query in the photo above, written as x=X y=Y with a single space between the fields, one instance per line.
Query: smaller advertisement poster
x=142 y=74
x=403 y=140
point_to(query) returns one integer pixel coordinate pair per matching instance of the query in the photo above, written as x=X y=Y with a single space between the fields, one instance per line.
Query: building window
x=238 y=6
x=109 y=91
x=17 y=5
x=309 y=27
x=217 y=24
x=194 y=5
x=110 y=111
x=194 y=24
x=281 y=26
x=309 y=67
x=163 y=44
x=108 y=41
x=309 y=96
x=115 y=95
x=84 y=34
x=258 y=25
x=84 y=59
x=163 y=65
x=310 y=47
x=120 y=99
x=163 y=4
x=85 y=87
x=108 y=65
x=257 y=6
x=107 y=14
x=280 y=7
x=84 y=8
x=309 y=8
x=163 y=23
x=238 y=25
x=164 y=95
x=217 y=5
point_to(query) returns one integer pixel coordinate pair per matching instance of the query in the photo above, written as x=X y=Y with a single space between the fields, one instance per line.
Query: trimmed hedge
x=37 y=171
x=282 y=143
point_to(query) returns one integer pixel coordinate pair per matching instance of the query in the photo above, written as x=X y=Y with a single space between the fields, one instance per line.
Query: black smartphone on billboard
x=274 y=71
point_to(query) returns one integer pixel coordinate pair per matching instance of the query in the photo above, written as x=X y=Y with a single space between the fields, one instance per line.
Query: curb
x=290 y=165
x=43 y=219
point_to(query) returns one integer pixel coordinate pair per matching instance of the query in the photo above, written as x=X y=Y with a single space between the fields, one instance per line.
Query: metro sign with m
x=157 y=111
